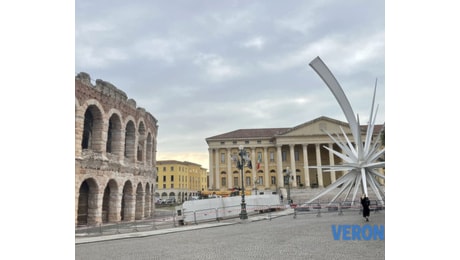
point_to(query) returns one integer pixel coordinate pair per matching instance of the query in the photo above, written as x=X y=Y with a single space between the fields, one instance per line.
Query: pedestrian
x=281 y=197
x=366 y=203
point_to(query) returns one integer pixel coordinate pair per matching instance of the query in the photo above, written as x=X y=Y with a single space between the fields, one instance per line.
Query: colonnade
x=298 y=157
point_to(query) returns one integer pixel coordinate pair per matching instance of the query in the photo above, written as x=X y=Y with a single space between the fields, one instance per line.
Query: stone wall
x=115 y=155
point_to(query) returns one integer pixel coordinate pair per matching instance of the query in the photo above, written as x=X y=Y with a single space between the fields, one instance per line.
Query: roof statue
x=360 y=159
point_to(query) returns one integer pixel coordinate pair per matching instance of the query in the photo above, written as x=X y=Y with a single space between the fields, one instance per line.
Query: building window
x=296 y=155
x=224 y=181
x=172 y=185
x=234 y=142
x=222 y=157
x=259 y=141
x=235 y=181
x=164 y=168
x=164 y=178
x=246 y=142
x=272 y=157
x=284 y=156
x=172 y=177
x=222 y=143
x=259 y=157
x=260 y=181
x=172 y=168
x=248 y=181
x=164 y=185
x=273 y=180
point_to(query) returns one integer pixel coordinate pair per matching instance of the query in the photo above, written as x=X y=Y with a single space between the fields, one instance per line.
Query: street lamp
x=244 y=160
x=288 y=174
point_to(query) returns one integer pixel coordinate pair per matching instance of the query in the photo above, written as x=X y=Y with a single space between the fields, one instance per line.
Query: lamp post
x=288 y=174
x=244 y=159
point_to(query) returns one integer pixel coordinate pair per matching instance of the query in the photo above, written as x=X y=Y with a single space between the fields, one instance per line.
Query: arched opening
x=140 y=142
x=127 y=202
x=148 y=201
x=130 y=136
x=92 y=129
x=273 y=183
x=149 y=149
x=110 y=202
x=87 y=202
x=139 y=202
x=113 y=145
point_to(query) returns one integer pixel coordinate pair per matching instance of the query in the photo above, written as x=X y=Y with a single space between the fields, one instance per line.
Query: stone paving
x=275 y=236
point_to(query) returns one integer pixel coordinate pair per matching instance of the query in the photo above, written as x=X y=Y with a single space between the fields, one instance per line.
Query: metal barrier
x=218 y=214
x=319 y=208
x=164 y=219
x=168 y=219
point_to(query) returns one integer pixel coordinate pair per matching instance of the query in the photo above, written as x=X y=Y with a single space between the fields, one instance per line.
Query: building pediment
x=315 y=127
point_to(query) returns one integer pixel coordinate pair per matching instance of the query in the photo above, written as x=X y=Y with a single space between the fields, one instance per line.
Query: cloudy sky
x=204 y=67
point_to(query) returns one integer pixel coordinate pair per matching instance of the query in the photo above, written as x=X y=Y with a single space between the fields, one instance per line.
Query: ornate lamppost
x=243 y=161
x=288 y=174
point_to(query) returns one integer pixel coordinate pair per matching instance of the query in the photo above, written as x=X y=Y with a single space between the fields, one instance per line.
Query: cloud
x=204 y=68
x=163 y=49
x=254 y=43
x=215 y=67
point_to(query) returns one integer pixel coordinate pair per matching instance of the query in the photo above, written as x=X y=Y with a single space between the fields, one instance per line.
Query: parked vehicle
x=170 y=201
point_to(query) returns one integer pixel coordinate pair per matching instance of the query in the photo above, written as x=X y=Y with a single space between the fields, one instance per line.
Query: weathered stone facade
x=115 y=155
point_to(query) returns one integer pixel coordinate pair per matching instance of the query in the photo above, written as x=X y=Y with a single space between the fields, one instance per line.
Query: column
x=305 y=165
x=211 y=171
x=229 y=169
x=279 y=166
x=293 y=169
x=331 y=162
x=254 y=166
x=266 y=175
x=216 y=160
x=318 y=163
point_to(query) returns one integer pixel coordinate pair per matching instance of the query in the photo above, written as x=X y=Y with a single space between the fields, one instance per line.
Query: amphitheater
x=115 y=155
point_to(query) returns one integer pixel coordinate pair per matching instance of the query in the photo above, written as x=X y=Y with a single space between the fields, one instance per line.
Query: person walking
x=366 y=203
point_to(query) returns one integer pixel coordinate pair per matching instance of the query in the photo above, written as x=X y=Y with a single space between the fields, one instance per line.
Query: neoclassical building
x=115 y=155
x=272 y=151
x=179 y=180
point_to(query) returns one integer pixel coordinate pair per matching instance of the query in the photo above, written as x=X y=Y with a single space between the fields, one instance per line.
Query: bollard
x=118 y=230
x=174 y=219
x=194 y=217
x=319 y=210
x=340 y=209
x=135 y=226
x=153 y=224
x=217 y=215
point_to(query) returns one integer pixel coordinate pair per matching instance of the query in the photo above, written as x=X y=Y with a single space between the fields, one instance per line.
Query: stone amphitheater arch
x=115 y=158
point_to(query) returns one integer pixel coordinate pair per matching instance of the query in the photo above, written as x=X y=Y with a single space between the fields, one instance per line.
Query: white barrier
x=215 y=208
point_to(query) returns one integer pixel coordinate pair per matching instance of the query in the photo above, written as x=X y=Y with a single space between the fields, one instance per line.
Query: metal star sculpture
x=362 y=159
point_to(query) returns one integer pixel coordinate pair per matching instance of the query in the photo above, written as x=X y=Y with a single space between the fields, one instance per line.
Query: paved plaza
x=275 y=236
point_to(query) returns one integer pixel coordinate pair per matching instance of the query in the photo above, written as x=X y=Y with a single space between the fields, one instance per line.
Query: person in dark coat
x=366 y=203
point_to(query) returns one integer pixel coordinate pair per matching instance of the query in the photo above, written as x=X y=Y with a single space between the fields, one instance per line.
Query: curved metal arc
x=326 y=75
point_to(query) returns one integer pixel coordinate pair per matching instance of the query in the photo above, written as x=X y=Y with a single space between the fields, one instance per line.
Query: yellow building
x=273 y=151
x=179 y=180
